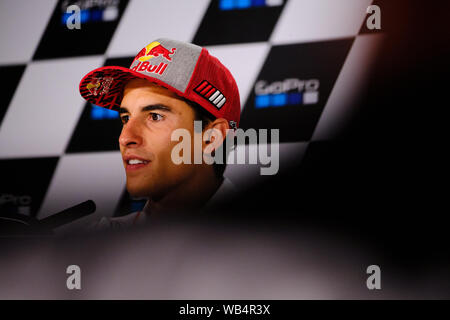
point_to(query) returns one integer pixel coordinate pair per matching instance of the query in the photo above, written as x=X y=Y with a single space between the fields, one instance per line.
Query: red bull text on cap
x=184 y=68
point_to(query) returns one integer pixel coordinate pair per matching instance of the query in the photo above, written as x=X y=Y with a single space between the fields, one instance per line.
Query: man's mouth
x=135 y=164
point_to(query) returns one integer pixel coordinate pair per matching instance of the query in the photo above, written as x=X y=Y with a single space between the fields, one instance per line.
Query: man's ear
x=215 y=133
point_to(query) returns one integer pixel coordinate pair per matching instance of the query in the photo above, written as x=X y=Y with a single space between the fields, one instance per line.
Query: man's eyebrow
x=150 y=107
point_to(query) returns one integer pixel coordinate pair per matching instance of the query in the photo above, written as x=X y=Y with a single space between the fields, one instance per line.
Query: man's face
x=149 y=114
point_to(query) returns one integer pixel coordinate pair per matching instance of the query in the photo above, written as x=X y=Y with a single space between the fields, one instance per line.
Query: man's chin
x=137 y=191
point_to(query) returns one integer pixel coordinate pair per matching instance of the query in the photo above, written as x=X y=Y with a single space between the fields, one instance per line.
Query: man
x=169 y=85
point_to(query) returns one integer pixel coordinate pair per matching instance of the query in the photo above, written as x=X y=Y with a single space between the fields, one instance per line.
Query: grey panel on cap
x=178 y=71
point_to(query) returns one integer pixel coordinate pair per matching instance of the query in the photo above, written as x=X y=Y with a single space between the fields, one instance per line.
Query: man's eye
x=124 y=119
x=156 y=116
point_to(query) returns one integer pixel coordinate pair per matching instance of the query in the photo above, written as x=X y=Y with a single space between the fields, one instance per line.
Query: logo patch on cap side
x=99 y=86
x=211 y=93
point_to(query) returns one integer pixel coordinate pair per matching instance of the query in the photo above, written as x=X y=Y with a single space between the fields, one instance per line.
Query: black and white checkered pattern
x=58 y=156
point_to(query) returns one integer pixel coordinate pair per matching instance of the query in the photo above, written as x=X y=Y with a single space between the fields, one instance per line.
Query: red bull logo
x=154 y=49
x=151 y=68
x=93 y=86
x=99 y=86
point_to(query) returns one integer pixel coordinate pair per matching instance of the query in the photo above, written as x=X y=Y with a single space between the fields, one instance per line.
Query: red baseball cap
x=184 y=68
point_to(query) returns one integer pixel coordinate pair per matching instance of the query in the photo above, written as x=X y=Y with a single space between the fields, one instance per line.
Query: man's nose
x=131 y=133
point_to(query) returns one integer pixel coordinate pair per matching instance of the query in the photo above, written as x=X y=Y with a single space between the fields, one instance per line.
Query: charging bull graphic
x=99 y=86
x=94 y=86
x=154 y=49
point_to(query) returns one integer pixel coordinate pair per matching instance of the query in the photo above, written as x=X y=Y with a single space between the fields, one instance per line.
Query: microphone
x=17 y=224
x=68 y=215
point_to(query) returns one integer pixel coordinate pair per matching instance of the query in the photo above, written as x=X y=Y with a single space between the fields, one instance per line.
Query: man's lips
x=134 y=162
x=133 y=167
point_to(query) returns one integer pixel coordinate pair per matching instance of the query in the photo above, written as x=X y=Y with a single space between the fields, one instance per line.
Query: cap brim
x=104 y=86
